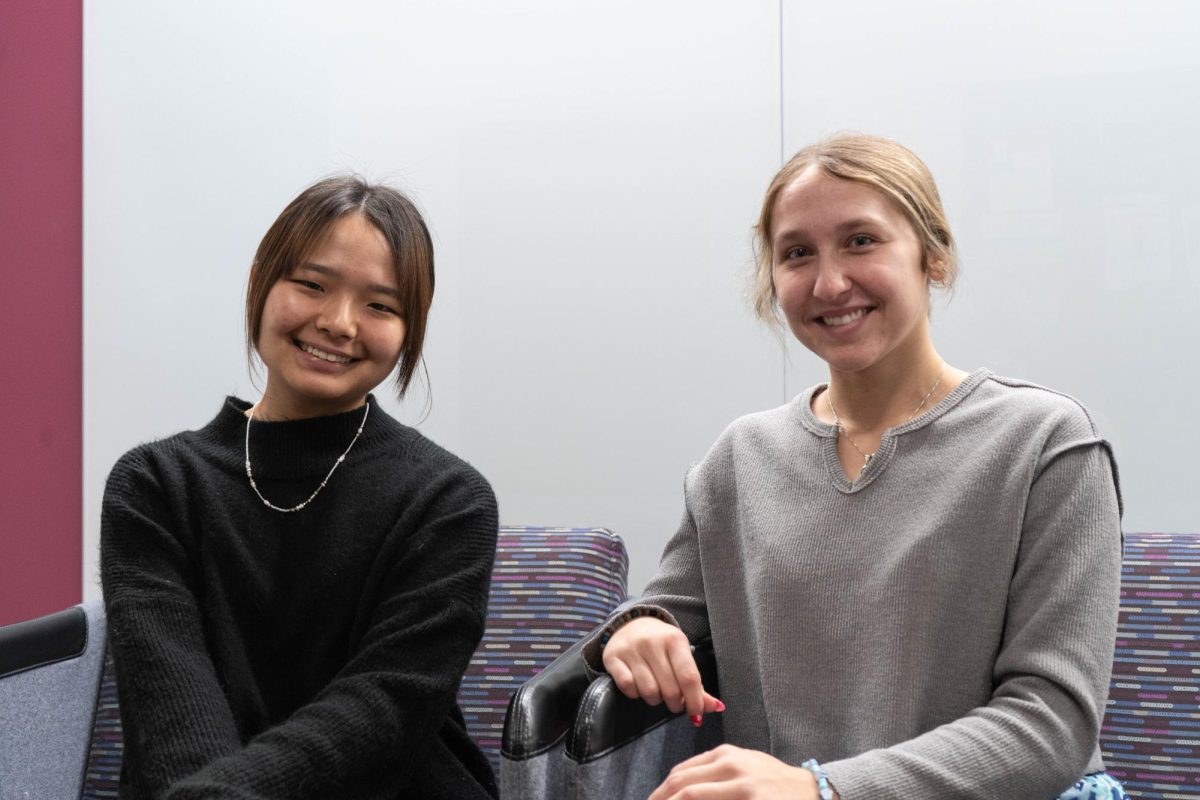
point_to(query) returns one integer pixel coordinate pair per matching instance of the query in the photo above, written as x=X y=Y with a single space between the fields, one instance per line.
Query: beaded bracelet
x=824 y=790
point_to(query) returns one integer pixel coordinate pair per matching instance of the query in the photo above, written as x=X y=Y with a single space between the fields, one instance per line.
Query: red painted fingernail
x=697 y=720
x=720 y=706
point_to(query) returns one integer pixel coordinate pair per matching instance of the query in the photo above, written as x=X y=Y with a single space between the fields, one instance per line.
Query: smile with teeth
x=312 y=351
x=845 y=319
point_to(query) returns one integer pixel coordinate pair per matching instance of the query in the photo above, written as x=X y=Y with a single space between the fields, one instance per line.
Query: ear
x=935 y=271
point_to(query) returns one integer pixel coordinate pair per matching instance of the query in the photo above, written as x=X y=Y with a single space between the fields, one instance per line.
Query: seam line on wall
x=783 y=351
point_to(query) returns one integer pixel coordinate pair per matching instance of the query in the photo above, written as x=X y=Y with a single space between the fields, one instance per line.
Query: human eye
x=307 y=284
x=383 y=308
x=861 y=240
x=793 y=253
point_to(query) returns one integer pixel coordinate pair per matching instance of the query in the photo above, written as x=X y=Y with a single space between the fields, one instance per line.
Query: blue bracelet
x=824 y=790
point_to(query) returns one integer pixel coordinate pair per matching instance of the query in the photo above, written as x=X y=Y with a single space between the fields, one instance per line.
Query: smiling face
x=848 y=275
x=331 y=329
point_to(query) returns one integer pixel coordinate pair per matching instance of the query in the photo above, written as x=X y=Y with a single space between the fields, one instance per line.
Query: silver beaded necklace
x=842 y=428
x=317 y=491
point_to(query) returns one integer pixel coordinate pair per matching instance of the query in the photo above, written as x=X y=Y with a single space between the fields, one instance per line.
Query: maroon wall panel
x=41 y=306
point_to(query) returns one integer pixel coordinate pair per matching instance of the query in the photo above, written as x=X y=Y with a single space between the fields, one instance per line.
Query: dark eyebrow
x=374 y=288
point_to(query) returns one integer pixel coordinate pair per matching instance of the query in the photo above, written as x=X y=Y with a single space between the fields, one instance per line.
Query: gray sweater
x=942 y=627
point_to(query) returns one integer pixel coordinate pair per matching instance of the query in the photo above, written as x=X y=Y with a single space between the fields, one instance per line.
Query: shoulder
x=772 y=428
x=139 y=509
x=769 y=423
x=148 y=464
x=426 y=455
x=173 y=463
x=443 y=516
x=1026 y=408
x=430 y=469
x=1022 y=414
x=762 y=439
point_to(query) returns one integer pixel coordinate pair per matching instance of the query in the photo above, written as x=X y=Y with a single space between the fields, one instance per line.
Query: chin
x=850 y=362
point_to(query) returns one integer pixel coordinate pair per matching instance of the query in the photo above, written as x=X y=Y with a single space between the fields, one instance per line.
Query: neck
x=278 y=407
x=888 y=393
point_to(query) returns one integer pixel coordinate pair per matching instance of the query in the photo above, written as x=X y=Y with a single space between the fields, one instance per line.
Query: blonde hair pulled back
x=884 y=165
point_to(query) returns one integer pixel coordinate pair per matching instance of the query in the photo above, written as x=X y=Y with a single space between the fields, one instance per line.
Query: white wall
x=1064 y=140
x=591 y=170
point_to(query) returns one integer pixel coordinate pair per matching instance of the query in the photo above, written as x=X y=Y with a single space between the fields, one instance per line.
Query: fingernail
x=720 y=706
x=697 y=720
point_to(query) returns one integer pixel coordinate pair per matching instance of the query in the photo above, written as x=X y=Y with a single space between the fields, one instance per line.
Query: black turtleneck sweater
x=314 y=654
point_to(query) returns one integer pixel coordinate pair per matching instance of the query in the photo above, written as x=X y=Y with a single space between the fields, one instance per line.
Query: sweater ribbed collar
x=887 y=444
x=810 y=421
x=294 y=449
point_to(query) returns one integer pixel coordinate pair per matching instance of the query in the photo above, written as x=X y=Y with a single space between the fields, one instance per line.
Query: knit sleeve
x=675 y=594
x=1039 y=730
x=173 y=710
x=370 y=730
x=678 y=586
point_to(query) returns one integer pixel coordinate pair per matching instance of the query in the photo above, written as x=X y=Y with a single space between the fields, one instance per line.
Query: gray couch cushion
x=46 y=716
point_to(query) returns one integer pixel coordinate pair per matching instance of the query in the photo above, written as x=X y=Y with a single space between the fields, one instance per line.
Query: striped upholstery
x=550 y=586
x=541 y=603
x=1151 y=734
x=104 y=758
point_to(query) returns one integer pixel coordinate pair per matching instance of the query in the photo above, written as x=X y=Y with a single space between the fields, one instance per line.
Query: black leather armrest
x=607 y=719
x=45 y=640
x=541 y=712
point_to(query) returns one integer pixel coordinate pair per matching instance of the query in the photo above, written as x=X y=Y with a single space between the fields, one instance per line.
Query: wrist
x=635 y=613
x=820 y=779
x=593 y=650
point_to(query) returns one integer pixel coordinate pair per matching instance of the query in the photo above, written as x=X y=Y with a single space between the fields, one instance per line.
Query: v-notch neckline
x=888 y=443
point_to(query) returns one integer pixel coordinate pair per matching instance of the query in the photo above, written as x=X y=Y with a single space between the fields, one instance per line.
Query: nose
x=832 y=281
x=338 y=318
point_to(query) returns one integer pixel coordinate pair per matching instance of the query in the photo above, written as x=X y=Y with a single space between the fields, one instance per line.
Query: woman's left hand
x=731 y=773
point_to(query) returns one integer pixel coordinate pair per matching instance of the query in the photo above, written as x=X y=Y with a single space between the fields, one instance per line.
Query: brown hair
x=300 y=228
x=885 y=166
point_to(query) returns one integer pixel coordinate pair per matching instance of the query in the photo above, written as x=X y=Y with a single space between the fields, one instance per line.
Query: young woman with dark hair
x=294 y=590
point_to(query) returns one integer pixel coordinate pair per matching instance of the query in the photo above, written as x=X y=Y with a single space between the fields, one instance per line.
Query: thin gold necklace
x=842 y=428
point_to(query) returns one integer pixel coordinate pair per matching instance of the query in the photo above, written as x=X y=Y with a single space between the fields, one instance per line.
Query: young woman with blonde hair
x=909 y=573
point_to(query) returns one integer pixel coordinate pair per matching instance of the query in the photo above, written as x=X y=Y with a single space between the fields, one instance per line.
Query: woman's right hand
x=651 y=659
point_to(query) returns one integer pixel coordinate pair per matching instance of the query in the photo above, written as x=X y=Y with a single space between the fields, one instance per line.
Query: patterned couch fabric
x=103 y=773
x=550 y=586
x=1151 y=733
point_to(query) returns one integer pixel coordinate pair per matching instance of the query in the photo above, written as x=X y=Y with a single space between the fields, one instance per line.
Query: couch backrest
x=49 y=673
x=549 y=587
x=1151 y=733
